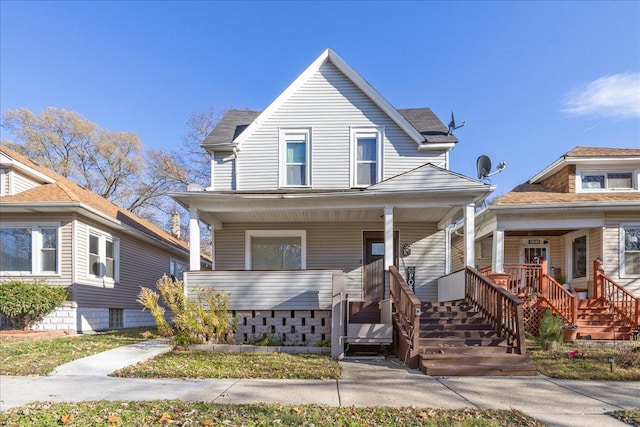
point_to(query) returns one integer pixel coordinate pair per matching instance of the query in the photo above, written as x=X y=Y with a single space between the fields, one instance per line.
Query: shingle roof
x=65 y=190
x=428 y=124
x=602 y=152
x=235 y=121
x=532 y=194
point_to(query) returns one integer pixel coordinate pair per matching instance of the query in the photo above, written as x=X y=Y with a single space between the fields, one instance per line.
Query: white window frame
x=366 y=132
x=569 y=251
x=623 y=273
x=36 y=248
x=173 y=263
x=103 y=237
x=302 y=234
x=290 y=134
x=605 y=172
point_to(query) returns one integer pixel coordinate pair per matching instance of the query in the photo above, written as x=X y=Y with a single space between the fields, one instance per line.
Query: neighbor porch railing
x=622 y=302
x=408 y=310
x=523 y=278
x=501 y=308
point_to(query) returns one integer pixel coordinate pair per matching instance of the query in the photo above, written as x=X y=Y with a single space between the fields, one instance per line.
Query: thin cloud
x=616 y=96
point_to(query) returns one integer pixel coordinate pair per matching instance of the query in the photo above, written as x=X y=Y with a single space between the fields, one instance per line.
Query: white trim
x=524 y=243
x=594 y=161
x=570 y=237
x=3 y=182
x=289 y=134
x=275 y=233
x=30 y=172
x=194 y=239
x=212 y=162
x=605 y=172
x=356 y=132
x=103 y=237
x=622 y=251
x=351 y=74
x=497 y=251
x=388 y=238
x=36 y=247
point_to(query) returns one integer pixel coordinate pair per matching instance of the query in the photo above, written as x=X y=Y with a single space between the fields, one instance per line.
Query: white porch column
x=213 y=248
x=469 y=235
x=388 y=237
x=194 y=240
x=497 y=252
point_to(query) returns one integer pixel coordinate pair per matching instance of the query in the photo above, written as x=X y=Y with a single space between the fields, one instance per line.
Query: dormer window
x=367 y=156
x=295 y=148
x=603 y=180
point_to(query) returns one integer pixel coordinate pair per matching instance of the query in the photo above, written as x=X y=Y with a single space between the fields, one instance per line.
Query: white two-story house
x=330 y=183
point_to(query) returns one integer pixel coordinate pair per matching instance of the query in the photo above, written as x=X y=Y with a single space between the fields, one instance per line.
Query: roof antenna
x=452 y=123
x=484 y=167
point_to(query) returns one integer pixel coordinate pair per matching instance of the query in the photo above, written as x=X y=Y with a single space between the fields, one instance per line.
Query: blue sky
x=531 y=79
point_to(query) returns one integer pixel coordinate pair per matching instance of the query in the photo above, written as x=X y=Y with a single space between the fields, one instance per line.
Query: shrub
x=202 y=319
x=550 y=333
x=24 y=302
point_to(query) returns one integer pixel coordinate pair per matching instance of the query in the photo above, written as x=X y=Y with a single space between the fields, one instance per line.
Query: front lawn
x=588 y=362
x=41 y=356
x=162 y=413
x=207 y=364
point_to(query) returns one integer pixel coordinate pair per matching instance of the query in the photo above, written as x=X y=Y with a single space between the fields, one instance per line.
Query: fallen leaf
x=66 y=419
x=165 y=418
x=114 y=420
x=207 y=423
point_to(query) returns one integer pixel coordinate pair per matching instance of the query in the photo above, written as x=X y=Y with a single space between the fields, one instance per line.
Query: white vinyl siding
x=224 y=171
x=331 y=105
x=338 y=246
x=18 y=183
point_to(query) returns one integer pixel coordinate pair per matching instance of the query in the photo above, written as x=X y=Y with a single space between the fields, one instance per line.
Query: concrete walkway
x=363 y=383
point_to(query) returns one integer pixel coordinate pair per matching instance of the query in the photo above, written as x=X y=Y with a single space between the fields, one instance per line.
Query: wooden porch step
x=455 y=326
x=477 y=358
x=462 y=342
x=461 y=350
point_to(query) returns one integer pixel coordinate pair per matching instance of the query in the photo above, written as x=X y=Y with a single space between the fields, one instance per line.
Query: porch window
x=367 y=155
x=630 y=251
x=29 y=249
x=295 y=157
x=177 y=269
x=579 y=257
x=103 y=255
x=275 y=250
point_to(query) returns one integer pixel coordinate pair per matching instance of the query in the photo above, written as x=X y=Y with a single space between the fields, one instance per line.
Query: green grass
x=590 y=363
x=20 y=356
x=161 y=413
x=207 y=364
x=629 y=416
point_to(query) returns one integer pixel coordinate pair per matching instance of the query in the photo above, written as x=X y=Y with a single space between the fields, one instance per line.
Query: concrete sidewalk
x=363 y=383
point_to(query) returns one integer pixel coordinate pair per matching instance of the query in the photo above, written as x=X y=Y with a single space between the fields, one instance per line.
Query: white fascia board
x=589 y=161
x=352 y=75
x=428 y=146
x=89 y=212
x=9 y=162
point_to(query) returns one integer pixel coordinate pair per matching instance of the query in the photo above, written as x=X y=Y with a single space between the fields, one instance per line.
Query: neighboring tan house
x=54 y=230
x=581 y=216
x=324 y=193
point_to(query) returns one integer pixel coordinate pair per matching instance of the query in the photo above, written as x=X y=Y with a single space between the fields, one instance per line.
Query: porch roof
x=424 y=194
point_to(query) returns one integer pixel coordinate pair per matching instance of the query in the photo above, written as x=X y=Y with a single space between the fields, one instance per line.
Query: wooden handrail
x=562 y=302
x=501 y=308
x=407 y=306
x=621 y=301
x=523 y=278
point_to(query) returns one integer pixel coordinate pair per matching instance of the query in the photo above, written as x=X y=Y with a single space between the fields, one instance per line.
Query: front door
x=373 y=264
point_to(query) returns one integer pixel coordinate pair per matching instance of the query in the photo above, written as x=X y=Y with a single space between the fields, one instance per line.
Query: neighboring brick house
x=53 y=229
x=584 y=206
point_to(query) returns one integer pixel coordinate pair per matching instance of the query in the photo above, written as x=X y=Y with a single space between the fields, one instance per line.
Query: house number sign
x=411 y=278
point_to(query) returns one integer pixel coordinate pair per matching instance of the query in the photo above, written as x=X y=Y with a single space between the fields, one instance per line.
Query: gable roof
x=66 y=192
x=362 y=84
x=535 y=192
x=234 y=122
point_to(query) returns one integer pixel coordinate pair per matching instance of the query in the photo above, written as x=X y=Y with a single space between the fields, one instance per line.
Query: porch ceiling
x=430 y=214
x=533 y=233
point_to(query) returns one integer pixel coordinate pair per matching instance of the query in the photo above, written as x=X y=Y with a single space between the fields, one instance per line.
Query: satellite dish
x=484 y=167
x=452 y=124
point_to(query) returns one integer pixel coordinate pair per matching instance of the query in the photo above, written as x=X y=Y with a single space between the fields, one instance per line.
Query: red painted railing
x=524 y=278
x=622 y=302
x=562 y=302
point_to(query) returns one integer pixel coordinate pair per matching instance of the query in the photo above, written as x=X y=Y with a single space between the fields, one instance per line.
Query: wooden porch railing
x=501 y=308
x=523 y=278
x=407 y=307
x=621 y=301
x=562 y=302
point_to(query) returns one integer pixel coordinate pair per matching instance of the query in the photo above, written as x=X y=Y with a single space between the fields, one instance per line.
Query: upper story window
x=630 y=250
x=104 y=259
x=29 y=249
x=366 y=148
x=295 y=149
x=606 y=180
